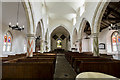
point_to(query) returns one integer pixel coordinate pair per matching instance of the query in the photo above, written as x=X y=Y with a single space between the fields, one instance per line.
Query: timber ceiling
x=111 y=15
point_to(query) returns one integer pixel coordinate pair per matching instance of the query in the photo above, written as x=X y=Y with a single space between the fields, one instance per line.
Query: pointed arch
x=98 y=15
x=62 y=33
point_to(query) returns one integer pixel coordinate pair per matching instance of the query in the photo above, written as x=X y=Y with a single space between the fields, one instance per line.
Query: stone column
x=95 y=44
x=41 y=46
x=46 y=46
x=30 y=45
x=80 y=45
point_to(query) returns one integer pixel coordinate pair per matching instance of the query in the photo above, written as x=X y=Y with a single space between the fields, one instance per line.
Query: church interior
x=60 y=39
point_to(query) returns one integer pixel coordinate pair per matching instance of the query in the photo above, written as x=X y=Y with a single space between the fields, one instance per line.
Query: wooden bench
x=44 y=56
x=11 y=57
x=106 y=56
x=37 y=60
x=108 y=67
x=40 y=67
x=77 y=60
x=79 y=57
x=30 y=70
x=69 y=56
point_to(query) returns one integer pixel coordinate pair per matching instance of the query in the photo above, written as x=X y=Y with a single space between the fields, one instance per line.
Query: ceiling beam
x=102 y=28
x=111 y=19
x=114 y=11
x=105 y=23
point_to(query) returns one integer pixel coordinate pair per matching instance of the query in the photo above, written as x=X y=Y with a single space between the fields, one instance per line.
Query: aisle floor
x=63 y=70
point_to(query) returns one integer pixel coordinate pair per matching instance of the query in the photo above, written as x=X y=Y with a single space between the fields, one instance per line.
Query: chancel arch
x=60 y=39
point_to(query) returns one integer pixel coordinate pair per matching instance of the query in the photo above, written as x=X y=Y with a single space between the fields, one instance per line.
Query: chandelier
x=16 y=27
x=114 y=27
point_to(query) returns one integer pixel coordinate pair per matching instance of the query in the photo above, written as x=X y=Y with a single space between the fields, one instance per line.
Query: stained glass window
x=7 y=41
x=115 y=40
x=59 y=43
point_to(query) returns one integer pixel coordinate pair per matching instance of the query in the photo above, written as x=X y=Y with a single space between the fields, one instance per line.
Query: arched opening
x=7 y=44
x=60 y=39
x=86 y=37
x=38 y=38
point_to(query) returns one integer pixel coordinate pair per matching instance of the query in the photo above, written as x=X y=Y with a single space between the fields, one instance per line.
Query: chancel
x=60 y=40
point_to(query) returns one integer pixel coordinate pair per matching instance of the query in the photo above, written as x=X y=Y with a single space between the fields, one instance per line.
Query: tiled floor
x=63 y=70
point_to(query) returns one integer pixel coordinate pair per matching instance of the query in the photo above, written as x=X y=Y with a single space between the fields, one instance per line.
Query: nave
x=60 y=39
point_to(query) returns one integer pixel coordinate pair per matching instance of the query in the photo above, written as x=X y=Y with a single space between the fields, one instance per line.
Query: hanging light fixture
x=114 y=27
x=16 y=27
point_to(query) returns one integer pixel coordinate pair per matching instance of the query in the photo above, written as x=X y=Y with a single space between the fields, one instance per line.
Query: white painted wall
x=1 y=50
x=105 y=37
x=86 y=44
x=18 y=41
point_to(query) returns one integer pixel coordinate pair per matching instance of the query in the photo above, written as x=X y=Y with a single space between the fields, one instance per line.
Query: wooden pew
x=106 y=56
x=44 y=56
x=79 y=57
x=107 y=67
x=40 y=66
x=77 y=60
x=69 y=56
x=30 y=70
x=85 y=62
x=11 y=57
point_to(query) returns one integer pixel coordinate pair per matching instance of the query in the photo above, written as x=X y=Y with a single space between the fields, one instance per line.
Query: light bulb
x=17 y=23
x=10 y=23
x=109 y=27
x=23 y=26
x=111 y=24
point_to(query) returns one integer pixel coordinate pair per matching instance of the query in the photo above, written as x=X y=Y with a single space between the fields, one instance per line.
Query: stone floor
x=63 y=70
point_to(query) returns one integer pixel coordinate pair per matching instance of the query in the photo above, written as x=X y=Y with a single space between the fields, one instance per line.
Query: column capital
x=31 y=35
x=79 y=40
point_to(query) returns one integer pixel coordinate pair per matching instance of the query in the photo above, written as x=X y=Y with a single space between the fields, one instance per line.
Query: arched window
x=59 y=43
x=115 y=39
x=7 y=42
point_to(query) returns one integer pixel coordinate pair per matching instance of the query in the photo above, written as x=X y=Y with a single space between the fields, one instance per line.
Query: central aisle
x=63 y=69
